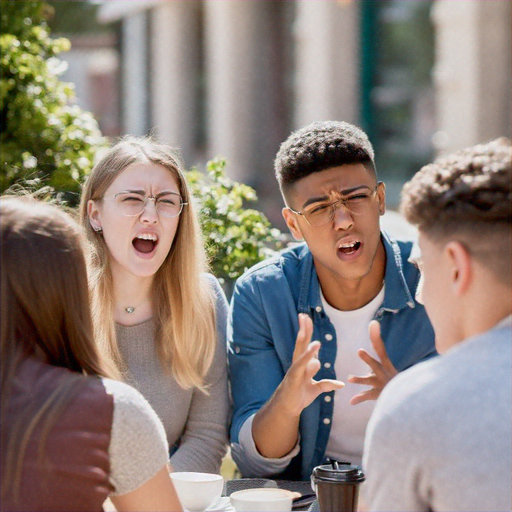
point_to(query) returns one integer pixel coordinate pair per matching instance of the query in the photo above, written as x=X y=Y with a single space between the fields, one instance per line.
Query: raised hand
x=298 y=385
x=382 y=371
x=275 y=428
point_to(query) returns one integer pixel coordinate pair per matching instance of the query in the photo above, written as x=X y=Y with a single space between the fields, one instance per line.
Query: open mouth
x=350 y=248
x=145 y=243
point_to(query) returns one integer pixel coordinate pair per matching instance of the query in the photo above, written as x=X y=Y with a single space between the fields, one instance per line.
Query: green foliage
x=44 y=139
x=236 y=237
x=76 y=17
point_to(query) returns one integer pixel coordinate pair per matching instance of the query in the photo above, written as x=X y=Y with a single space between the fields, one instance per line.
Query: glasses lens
x=359 y=203
x=129 y=204
x=320 y=214
x=169 y=205
x=356 y=204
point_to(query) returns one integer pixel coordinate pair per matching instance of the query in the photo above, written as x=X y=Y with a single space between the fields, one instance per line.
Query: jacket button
x=327 y=365
x=318 y=309
x=237 y=350
x=328 y=337
x=327 y=398
x=327 y=421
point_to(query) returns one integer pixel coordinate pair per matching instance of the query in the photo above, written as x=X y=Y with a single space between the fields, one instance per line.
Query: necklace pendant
x=129 y=309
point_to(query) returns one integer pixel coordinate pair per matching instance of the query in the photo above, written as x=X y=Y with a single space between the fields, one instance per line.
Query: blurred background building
x=235 y=77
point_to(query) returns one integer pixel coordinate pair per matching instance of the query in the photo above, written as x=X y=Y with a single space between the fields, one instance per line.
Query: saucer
x=222 y=505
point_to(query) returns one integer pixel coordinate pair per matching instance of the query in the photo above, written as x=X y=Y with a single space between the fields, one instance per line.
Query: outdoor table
x=230 y=486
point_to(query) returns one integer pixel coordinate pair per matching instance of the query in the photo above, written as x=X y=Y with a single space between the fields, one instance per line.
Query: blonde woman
x=70 y=437
x=156 y=313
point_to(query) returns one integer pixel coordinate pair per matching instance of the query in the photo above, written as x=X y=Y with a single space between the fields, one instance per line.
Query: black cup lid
x=344 y=472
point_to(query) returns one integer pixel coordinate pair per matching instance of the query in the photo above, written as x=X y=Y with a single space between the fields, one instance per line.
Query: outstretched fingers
x=379 y=347
x=304 y=335
x=327 y=385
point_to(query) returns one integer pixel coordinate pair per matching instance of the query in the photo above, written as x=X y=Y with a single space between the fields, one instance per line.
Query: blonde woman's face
x=138 y=244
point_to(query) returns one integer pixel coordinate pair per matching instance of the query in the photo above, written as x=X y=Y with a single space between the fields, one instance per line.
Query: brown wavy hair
x=467 y=195
x=45 y=315
x=184 y=307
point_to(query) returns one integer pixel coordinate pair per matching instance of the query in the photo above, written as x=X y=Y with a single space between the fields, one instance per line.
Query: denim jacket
x=263 y=326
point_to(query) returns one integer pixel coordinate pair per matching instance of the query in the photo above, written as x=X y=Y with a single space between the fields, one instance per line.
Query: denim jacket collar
x=397 y=295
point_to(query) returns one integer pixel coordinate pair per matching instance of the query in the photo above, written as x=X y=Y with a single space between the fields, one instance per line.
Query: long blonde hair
x=183 y=303
x=45 y=315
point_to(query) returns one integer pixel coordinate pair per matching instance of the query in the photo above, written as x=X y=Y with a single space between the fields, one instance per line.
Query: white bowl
x=262 y=500
x=197 y=491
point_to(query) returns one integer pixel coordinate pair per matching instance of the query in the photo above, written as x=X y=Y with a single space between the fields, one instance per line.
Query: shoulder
x=213 y=284
x=417 y=396
x=285 y=264
x=219 y=297
x=132 y=409
x=138 y=447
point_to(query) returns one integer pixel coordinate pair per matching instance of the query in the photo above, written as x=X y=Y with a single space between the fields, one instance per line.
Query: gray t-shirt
x=138 y=447
x=441 y=433
x=196 y=424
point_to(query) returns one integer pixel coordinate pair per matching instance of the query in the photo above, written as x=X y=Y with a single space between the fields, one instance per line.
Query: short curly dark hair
x=320 y=146
x=466 y=195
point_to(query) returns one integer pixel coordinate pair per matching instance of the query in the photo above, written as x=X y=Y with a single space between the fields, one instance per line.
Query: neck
x=483 y=311
x=131 y=292
x=350 y=294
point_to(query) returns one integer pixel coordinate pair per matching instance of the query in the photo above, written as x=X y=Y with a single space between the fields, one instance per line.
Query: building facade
x=233 y=78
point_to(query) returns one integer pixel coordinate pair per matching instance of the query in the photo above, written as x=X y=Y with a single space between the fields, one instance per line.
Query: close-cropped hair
x=467 y=195
x=320 y=146
x=45 y=315
x=183 y=302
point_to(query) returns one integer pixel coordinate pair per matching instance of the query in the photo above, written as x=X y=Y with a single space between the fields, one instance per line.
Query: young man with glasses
x=287 y=417
x=440 y=437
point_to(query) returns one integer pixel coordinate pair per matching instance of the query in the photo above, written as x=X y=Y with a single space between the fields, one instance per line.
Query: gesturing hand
x=382 y=373
x=298 y=385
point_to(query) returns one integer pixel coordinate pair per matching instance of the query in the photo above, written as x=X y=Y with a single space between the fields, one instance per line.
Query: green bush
x=44 y=140
x=236 y=237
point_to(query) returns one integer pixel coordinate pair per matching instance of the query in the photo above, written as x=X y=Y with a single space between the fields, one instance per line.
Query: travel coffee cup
x=337 y=486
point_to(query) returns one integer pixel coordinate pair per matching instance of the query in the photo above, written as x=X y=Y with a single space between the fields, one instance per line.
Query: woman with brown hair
x=70 y=437
x=157 y=315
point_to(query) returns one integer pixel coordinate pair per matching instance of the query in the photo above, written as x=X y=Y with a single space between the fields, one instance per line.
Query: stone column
x=327 y=55
x=134 y=74
x=231 y=42
x=473 y=76
x=174 y=73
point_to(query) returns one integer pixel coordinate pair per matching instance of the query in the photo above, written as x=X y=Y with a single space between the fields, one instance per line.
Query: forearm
x=275 y=428
x=201 y=451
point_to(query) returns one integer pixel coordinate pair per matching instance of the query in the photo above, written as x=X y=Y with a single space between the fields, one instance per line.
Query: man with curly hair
x=292 y=409
x=440 y=437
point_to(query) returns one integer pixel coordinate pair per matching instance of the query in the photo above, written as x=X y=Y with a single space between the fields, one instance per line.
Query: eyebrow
x=345 y=192
x=143 y=192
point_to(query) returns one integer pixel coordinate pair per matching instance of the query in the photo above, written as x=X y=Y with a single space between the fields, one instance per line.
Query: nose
x=342 y=218
x=149 y=215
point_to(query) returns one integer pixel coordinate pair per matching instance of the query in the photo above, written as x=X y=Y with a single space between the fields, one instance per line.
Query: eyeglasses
x=132 y=204
x=357 y=203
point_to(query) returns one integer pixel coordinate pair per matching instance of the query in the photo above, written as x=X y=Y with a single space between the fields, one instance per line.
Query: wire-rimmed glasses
x=357 y=203
x=132 y=204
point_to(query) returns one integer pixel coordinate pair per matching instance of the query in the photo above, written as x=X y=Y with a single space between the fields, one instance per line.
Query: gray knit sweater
x=441 y=432
x=196 y=424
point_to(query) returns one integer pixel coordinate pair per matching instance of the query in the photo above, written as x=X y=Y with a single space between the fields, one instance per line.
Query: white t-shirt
x=349 y=421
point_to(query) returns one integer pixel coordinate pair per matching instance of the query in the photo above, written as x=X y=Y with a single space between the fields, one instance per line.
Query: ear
x=381 y=198
x=94 y=215
x=292 y=223
x=460 y=266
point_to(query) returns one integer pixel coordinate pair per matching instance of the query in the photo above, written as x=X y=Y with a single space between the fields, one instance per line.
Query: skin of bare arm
x=275 y=427
x=156 y=495
x=382 y=371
